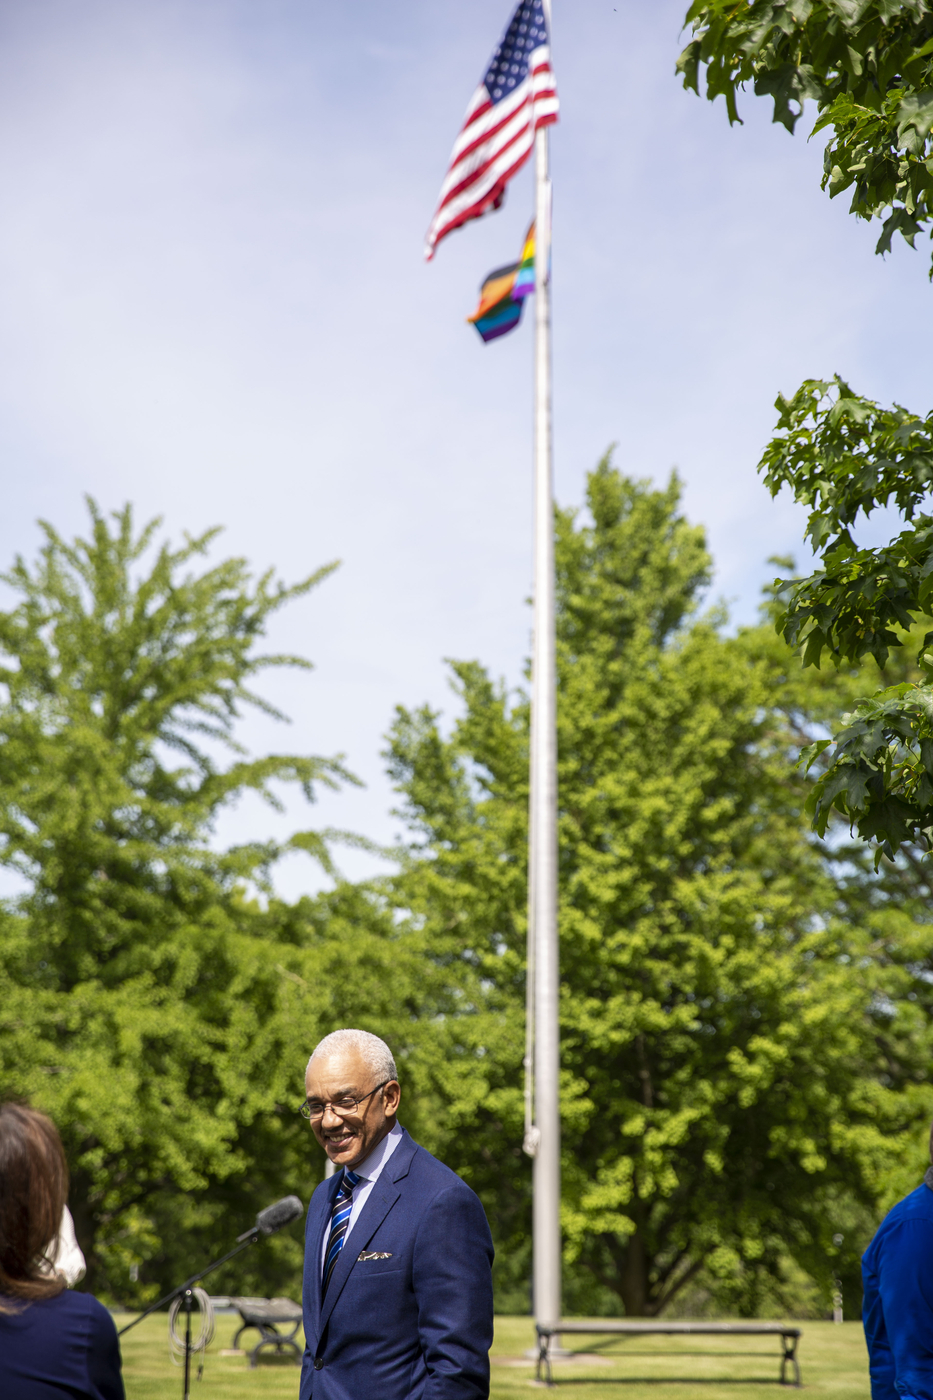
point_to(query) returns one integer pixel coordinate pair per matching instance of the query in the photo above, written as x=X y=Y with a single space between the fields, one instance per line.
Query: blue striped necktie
x=339 y=1225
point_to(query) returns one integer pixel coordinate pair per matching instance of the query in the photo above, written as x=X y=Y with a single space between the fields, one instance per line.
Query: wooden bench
x=637 y=1327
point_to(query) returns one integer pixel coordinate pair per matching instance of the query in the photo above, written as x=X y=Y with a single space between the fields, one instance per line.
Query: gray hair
x=376 y=1054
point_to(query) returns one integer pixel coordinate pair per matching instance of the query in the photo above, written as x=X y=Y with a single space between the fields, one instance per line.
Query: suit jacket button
x=319 y=1363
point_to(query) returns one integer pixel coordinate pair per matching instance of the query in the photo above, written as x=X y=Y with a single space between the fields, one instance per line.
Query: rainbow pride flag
x=502 y=295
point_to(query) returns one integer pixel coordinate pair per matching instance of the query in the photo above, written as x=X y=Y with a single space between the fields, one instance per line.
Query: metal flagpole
x=543 y=948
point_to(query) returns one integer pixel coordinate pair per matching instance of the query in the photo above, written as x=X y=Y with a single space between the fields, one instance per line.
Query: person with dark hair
x=53 y=1343
x=897 y=1309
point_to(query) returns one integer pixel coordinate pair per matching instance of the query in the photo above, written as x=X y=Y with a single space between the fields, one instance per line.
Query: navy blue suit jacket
x=60 y=1348
x=897 y=1310
x=416 y=1325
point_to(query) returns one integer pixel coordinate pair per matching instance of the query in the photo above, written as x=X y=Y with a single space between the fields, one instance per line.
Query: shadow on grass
x=263 y=1361
x=607 y=1355
x=667 y=1380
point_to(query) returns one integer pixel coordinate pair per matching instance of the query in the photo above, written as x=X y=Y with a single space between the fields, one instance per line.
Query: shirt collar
x=371 y=1166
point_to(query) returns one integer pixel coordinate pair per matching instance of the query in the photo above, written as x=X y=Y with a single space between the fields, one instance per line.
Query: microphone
x=274 y=1217
x=282 y=1213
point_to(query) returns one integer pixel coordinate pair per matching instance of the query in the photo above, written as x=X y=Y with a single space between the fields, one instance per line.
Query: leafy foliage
x=724 y=1096
x=844 y=456
x=141 y=995
x=868 y=65
x=745 y=1034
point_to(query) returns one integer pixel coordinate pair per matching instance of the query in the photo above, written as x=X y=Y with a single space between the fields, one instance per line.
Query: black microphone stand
x=184 y=1290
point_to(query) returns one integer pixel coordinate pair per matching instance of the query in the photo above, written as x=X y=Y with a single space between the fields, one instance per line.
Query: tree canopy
x=725 y=1098
x=845 y=456
x=868 y=66
x=744 y=1012
x=142 y=994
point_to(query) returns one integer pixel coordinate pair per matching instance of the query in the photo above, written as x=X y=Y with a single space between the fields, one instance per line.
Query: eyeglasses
x=314 y=1109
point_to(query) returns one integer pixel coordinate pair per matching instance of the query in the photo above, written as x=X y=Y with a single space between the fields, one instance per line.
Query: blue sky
x=213 y=303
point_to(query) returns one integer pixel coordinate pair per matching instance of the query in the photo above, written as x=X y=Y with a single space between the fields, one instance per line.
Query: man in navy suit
x=398 y=1255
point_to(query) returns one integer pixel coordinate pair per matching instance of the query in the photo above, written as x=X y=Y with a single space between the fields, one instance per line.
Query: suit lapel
x=318 y=1223
x=378 y=1204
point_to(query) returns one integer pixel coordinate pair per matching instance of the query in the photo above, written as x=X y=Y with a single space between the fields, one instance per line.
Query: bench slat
x=645 y=1326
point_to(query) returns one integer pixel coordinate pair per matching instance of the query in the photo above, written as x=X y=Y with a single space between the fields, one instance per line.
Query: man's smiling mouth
x=339 y=1139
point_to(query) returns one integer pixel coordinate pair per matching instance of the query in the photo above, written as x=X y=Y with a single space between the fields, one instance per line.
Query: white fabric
x=369 y=1170
x=65 y=1255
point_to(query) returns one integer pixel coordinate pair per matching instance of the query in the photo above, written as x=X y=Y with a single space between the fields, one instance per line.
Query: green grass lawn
x=832 y=1361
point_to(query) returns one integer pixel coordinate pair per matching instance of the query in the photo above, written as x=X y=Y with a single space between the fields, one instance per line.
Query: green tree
x=868 y=65
x=890 y=898
x=869 y=68
x=143 y=996
x=725 y=1098
x=844 y=456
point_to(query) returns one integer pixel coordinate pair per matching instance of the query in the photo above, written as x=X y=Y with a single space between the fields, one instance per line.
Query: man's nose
x=330 y=1119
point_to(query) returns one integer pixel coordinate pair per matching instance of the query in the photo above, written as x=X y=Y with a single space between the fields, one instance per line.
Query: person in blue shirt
x=54 y=1344
x=897 y=1309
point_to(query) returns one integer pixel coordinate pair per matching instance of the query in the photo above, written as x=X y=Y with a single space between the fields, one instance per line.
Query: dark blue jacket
x=62 y=1348
x=897 y=1311
x=416 y=1325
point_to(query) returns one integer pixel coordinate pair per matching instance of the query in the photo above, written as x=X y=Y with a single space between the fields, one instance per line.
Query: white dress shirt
x=368 y=1170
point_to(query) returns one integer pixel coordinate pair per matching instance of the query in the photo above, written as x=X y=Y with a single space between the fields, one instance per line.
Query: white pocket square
x=371 y=1254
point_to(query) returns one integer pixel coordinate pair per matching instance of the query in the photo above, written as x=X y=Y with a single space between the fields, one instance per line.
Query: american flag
x=517 y=95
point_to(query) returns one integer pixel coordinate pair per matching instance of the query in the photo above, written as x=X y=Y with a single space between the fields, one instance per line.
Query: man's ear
x=391 y=1096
